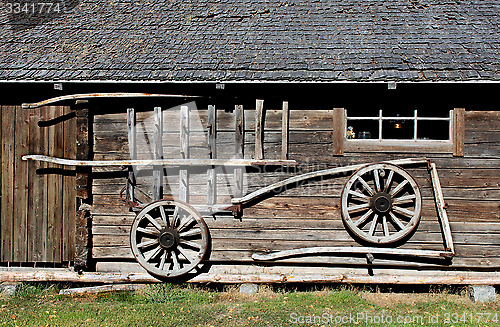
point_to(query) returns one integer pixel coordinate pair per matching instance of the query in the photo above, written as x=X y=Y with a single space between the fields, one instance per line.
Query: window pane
x=433 y=130
x=397 y=129
x=363 y=129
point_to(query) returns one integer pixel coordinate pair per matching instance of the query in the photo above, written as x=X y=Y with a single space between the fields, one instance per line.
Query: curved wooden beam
x=102 y=95
x=356 y=250
x=326 y=172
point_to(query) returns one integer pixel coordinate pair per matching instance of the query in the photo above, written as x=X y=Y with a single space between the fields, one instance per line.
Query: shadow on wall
x=26 y=14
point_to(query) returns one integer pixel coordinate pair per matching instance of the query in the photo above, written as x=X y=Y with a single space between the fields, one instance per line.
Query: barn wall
x=308 y=215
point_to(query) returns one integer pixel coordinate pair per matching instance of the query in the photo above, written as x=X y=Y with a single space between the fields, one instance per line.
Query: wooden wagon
x=381 y=202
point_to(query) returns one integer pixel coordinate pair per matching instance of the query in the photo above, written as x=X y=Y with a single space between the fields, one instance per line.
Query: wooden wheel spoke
x=361 y=196
x=148 y=232
x=184 y=222
x=404 y=199
x=398 y=188
x=175 y=217
x=153 y=221
x=385 y=226
x=373 y=225
x=192 y=232
x=388 y=181
x=363 y=218
x=396 y=221
x=191 y=244
x=164 y=216
x=184 y=253
x=175 y=259
x=153 y=253
x=365 y=185
x=358 y=207
x=377 y=180
x=147 y=243
x=163 y=260
x=403 y=211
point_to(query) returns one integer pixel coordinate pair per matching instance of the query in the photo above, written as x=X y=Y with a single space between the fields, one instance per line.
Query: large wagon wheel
x=381 y=203
x=169 y=238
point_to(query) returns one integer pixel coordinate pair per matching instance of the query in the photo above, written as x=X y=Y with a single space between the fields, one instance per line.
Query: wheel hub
x=169 y=238
x=381 y=203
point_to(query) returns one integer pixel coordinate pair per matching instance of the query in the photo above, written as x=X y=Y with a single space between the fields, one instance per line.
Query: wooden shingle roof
x=223 y=40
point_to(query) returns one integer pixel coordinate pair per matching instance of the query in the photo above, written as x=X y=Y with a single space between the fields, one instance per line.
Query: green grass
x=193 y=305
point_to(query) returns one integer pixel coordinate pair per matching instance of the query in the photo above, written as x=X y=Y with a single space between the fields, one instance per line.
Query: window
x=397 y=127
x=416 y=131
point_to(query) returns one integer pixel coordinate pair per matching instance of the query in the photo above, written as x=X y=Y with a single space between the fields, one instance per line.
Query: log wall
x=308 y=215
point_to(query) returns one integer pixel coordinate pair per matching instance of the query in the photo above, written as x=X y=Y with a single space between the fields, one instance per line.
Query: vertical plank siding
x=8 y=155
x=38 y=201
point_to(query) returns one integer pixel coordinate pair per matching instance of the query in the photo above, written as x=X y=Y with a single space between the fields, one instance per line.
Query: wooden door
x=38 y=200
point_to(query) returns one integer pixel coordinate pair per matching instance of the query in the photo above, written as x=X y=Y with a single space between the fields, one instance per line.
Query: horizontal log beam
x=164 y=162
x=95 y=277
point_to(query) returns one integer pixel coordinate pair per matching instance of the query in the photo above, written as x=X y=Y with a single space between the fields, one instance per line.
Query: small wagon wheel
x=381 y=203
x=169 y=238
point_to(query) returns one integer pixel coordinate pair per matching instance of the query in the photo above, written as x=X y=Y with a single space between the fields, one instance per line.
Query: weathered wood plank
x=239 y=147
x=8 y=157
x=83 y=149
x=483 y=121
x=263 y=274
x=54 y=190
x=363 y=146
x=212 y=154
x=441 y=209
x=43 y=222
x=20 y=203
x=458 y=132
x=158 y=154
x=184 y=147
x=338 y=131
x=68 y=191
x=132 y=146
x=260 y=117
x=285 y=120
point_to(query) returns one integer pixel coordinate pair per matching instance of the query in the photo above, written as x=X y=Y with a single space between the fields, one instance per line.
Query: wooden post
x=212 y=152
x=284 y=131
x=158 y=154
x=132 y=146
x=259 y=129
x=338 y=131
x=458 y=132
x=184 y=145
x=83 y=145
x=239 y=150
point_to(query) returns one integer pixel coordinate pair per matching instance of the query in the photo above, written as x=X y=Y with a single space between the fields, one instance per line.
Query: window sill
x=409 y=146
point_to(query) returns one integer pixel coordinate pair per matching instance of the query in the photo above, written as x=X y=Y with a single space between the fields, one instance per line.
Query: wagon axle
x=169 y=238
x=381 y=203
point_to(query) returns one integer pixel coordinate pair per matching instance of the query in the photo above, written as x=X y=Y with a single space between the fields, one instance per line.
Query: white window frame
x=415 y=118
